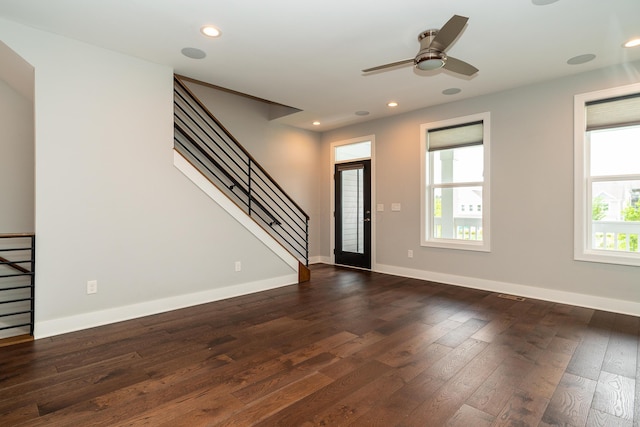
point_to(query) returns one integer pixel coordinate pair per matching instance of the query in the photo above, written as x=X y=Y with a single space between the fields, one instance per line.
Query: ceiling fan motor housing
x=429 y=58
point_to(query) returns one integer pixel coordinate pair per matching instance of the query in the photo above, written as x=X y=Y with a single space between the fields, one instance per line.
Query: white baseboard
x=319 y=260
x=552 y=295
x=78 y=322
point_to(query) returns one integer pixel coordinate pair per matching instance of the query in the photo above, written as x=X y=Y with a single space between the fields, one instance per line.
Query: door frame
x=332 y=220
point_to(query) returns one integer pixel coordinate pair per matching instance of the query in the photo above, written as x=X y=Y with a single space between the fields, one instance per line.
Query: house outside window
x=455 y=179
x=607 y=176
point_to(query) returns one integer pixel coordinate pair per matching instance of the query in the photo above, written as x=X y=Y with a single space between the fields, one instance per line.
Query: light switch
x=380 y=207
x=395 y=207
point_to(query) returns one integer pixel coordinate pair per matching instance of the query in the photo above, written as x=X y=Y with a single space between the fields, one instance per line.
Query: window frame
x=427 y=186
x=583 y=181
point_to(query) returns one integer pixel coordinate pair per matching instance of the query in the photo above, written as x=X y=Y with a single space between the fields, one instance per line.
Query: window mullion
x=458 y=184
x=605 y=178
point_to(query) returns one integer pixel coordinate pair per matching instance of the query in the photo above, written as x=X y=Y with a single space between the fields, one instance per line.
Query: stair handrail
x=244 y=151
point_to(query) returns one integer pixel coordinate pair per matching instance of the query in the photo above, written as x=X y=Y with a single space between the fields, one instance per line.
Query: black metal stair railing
x=208 y=146
x=17 y=282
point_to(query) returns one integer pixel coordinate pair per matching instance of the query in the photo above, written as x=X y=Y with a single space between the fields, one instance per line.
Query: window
x=357 y=150
x=455 y=178
x=607 y=176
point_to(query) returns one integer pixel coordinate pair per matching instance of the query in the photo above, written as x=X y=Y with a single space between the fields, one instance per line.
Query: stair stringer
x=195 y=176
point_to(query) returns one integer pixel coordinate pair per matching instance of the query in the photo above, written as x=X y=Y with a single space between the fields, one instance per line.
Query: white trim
x=221 y=199
x=78 y=322
x=319 y=260
x=546 y=294
x=581 y=183
x=323 y=260
x=485 y=244
x=332 y=163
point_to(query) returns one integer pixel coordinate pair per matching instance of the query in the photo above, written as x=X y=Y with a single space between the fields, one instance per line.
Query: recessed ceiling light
x=210 y=31
x=543 y=2
x=193 y=53
x=392 y=104
x=361 y=113
x=316 y=123
x=581 y=59
x=451 y=91
x=632 y=43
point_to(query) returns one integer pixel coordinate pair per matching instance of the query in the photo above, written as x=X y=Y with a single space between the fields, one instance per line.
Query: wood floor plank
x=622 y=350
x=405 y=350
x=602 y=419
x=615 y=395
x=571 y=401
x=469 y=416
x=443 y=404
x=523 y=409
x=20 y=415
x=304 y=409
x=351 y=407
x=543 y=379
x=494 y=393
x=347 y=348
x=460 y=334
x=56 y=385
x=278 y=400
x=192 y=410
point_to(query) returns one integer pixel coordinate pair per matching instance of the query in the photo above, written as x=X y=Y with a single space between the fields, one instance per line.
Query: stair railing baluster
x=249 y=180
x=205 y=142
x=16 y=267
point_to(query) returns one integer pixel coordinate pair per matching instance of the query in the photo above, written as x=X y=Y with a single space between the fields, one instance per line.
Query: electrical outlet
x=238 y=266
x=92 y=287
x=410 y=253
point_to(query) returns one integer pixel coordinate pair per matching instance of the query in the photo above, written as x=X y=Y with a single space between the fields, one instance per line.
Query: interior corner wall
x=288 y=154
x=110 y=205
x=531 y=196
x=16 y=161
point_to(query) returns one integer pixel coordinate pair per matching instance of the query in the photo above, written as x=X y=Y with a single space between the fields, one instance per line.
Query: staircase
x=205 y=143
x=17 y=274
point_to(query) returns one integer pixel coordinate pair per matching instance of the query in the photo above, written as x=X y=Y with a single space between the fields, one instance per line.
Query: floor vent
x=511 y=297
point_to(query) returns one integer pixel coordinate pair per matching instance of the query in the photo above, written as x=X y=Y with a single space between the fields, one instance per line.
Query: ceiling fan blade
x=393 y=64
x=460 y=67
x=449 y=32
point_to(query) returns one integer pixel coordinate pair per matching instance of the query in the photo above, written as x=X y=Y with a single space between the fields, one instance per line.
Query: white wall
x=16 y=161
x=532 y=197
x=110 y=206
x=288 y=154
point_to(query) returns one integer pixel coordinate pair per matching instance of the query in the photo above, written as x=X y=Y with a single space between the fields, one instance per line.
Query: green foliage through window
x=598 y=209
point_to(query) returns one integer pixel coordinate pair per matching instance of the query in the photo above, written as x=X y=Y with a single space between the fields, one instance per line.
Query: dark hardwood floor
x=347 y=348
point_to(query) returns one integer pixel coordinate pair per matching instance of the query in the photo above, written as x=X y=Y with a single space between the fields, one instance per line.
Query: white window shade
x=455 y=136
x=613 y=112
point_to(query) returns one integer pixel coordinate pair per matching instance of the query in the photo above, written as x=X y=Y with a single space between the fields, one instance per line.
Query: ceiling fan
x=433 y=43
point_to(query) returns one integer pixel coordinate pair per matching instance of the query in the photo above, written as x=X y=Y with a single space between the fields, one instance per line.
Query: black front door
x=353 y=214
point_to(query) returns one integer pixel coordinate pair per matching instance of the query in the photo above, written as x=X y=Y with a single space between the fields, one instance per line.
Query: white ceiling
x=309 y=54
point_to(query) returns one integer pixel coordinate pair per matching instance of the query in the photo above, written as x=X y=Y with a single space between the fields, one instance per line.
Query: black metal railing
x=17 y=283
x=204 y=141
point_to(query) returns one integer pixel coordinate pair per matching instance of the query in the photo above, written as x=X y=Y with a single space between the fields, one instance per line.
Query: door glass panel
x=352 y=212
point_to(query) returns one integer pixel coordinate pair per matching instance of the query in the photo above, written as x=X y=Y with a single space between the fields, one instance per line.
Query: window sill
x=465 y=245
x=619 y=258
